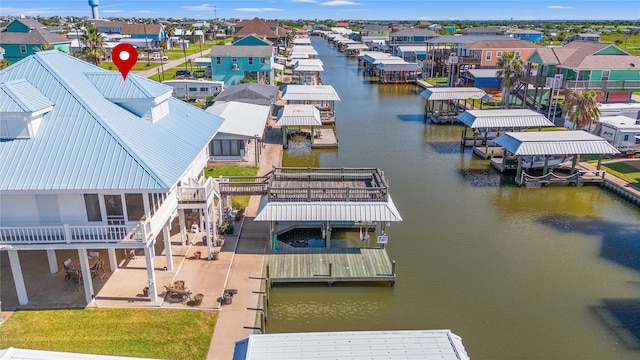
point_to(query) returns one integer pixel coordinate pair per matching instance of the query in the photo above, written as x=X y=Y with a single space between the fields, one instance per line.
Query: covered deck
x=393 y=72
x=298 y=115
x=443 y=103
x=541 y=152
x=323 y=97
x=489 y=124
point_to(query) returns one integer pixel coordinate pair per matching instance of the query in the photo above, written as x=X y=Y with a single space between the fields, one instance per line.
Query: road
x=171 y=64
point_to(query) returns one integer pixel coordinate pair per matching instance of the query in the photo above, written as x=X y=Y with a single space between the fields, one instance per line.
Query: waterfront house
x=153 y=34
x=241 y=134
x=23 y=37
x=269 y=31
x=584 y=37
x=584 y=65
x=413 y=36
x=528 y=35
x=482 y=31
x=92 y=162
x=372 y=30
x=490 y=51
x=109 y=27
x=249 y=58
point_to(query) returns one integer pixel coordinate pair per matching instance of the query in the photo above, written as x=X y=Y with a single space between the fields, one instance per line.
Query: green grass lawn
x=628 y=173
x=630 y=43
x=141 y=65
x=163 y=334
x=237 y=202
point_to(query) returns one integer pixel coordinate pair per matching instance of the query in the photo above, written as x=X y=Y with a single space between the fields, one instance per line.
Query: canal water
x=547 y=273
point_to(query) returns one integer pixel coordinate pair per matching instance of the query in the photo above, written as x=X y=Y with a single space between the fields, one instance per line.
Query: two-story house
x=409 y=37
x=154 y=35
x=587 y=65
x=488 y=52
x=109 y=27
x=258 y=28
x=23 y=37
x=250 y=58
x=93 y=162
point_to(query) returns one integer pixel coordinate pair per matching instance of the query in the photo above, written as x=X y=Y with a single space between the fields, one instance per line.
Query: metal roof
x=357 y=46
x=241 y=119
x=20 y=96
x=310 y=93
x=573 y=142
x=299 y=115
x=371 y=345
x=452 y=93
x=329 y=211
x=483 y=73
x=88 y=142
x=113 y=88
x=503 y=118
x=397 y=66
x=29 y=354
x=253 y=93
x=466 y=39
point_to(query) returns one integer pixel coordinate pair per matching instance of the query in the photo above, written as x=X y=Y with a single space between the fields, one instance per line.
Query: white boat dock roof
x=370 y=345
x=299 y=115
x=301 y=41
x=452 y=93
x=392 y=65
x=308 y=65
x=357 y=46
x=310 y=93
x=483 y=73
x=329 y=211
x=572 y=142
x=503 y=118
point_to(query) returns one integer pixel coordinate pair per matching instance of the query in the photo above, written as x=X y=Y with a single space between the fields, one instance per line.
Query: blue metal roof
x=88 y=142
x=112 y=86
x=21 y=96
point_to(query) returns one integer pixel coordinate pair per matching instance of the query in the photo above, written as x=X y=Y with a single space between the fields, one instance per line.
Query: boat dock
x=313 y=265
x=324 y=138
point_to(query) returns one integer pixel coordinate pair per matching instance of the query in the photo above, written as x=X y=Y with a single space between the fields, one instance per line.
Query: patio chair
x=98 y=270
x=74 y=276
x=66 y=263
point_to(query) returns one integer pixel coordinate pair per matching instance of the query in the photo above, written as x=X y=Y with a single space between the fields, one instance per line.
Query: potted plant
x=222 y=228
x=239 y=214
x=179 y=284
x=197 y=299
x=215 y=254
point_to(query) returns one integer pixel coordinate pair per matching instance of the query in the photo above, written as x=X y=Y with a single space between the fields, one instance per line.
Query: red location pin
x=124 y=57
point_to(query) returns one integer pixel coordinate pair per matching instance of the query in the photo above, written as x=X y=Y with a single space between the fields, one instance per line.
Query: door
x=115 y=211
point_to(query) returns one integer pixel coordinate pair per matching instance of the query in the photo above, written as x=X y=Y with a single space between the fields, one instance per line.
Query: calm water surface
x=518 y=273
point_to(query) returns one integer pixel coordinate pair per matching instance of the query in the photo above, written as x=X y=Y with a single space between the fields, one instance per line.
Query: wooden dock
x=310 y=265
x=324 y=138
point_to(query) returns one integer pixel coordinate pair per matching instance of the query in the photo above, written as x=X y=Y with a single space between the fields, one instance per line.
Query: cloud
x=338 y=3
x=203 y=7
x=112 y=11
x=256 y=9
x=303 y=1
x=559 y=7
x=144 y=12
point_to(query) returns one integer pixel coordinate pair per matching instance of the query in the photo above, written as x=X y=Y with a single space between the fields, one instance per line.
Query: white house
x=88 y=163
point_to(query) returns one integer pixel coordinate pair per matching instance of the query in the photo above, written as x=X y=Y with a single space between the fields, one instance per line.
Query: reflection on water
x=514 y=271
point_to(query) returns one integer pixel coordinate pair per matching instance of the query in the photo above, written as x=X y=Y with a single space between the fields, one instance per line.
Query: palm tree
x=170 y=30
x=44 y=47
x=95 y=45
x=510 y=69
x=192 y=30
x=582 y=108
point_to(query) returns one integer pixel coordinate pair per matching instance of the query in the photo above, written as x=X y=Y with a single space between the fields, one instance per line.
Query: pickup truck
x=157 y=57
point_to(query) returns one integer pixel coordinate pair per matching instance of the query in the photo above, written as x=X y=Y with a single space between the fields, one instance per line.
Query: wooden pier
x=312 y=265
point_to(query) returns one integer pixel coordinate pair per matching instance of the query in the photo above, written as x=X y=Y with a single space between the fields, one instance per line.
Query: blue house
x=528 y=35
x=109 y=27
x=248 y=59
x=92 y=161
x=155 y=33
x=23 y=37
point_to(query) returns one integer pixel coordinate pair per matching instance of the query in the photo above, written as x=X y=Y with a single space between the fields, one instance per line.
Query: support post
x=151 y=274
x=18 y=278
x=183 y=227
x=393 y=268
x=53 y=263
x=86 y=275
x=113 y=260
x=207 y=221
x=167 y=246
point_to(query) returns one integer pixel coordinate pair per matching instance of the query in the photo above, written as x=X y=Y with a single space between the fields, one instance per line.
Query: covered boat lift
x=394 y=72
x=544 y=146
x=308 y=70
x=297 y=115
x=322 y=97
x=443 y=103
x=488 y=124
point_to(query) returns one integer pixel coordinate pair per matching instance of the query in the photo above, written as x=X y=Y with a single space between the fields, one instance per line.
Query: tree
x=94 y=43
x=44 y=47
x=170 y=30
x=4 y=63
x=582 y=107
x=511 y=70
x=192 y=30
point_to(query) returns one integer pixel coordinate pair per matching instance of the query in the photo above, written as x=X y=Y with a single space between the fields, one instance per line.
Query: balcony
x=67 y=234
x=603 y=85
x=200 y=193
x=535 y=80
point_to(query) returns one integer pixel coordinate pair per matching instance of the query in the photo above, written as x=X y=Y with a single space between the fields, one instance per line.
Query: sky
x=336 y=9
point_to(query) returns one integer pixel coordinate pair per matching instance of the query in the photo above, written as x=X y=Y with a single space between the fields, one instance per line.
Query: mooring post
x=262 y=323
x=330 y=269
x=393 y=268
x=268 y=275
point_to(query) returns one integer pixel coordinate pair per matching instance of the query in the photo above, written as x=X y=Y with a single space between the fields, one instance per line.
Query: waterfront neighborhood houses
x=248 y=58
x=24 y=36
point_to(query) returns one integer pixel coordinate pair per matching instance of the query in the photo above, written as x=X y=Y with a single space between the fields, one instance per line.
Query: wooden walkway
x=327 y=138
x=306 y=265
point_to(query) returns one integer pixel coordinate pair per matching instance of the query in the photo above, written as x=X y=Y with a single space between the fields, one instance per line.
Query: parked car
x=156 y=57
x=184 y=74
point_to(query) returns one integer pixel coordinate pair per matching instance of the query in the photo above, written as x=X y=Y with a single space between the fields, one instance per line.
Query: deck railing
x=603 y=84
x=68 y=234
x=311 y=194
x=198 y=193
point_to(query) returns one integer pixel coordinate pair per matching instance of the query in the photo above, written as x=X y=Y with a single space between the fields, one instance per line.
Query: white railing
x=67 y=234
x=198 y=193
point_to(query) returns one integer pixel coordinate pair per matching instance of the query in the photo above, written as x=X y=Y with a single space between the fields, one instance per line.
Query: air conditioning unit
x=234 y=67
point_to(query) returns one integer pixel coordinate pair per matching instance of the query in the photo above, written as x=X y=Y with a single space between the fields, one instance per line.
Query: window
x=250 y=61
x=517 y=54
x=92 y=205
x=498 y=54
x=234 y=59
x=488 y=56
x=135 y=206
x=227 y=147
x=605 y=75
x=193 y=89
x=263 y=60
x=203 y=89
x=218 y=60
x=23 y=49
x=626 y=138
